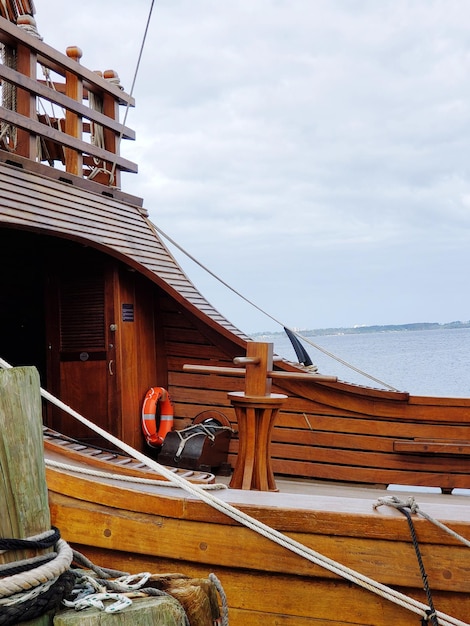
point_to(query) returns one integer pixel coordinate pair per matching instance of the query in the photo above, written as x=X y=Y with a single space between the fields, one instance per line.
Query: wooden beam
x=23 y=491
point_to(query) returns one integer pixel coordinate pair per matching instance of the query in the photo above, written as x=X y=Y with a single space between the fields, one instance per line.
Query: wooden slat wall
x=313 y=438
x=185 y=343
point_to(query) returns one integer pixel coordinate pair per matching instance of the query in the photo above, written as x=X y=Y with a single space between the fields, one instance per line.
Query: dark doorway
x=22 y=321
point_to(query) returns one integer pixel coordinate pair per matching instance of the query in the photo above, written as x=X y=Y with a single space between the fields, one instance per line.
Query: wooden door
x=82 y=349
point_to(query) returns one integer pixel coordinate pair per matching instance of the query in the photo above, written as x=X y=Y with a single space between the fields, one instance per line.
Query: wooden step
x=114 y=462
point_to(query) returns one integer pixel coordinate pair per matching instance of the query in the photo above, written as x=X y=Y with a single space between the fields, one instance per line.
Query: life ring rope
x=156 y=396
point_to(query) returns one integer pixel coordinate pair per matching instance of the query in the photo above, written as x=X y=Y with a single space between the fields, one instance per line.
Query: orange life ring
x=156 y=396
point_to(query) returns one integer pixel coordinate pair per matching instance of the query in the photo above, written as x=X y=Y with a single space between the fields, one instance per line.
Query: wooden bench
x=450 y=447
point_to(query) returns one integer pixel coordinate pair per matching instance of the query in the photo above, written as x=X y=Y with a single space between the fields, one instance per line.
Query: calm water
x=432 y=362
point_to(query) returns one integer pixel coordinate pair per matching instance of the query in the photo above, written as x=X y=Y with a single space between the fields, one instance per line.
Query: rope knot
x=395 y=502
x=429 y=618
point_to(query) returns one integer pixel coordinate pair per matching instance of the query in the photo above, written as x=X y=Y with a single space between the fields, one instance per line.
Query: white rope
x=283 y=540
x=410 y=503
x=25 y=596
x=194 y=431
x=223 y=598
x=123 y=477
x=17 y=583
x=95 y=601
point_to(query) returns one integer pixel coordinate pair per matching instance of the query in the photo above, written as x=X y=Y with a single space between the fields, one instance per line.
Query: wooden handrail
x=70 y=95
x=39 y=88
x=10 y=34
x=240 y=372
x=68 y=141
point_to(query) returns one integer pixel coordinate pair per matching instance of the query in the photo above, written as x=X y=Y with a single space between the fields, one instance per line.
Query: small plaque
x=127 y=312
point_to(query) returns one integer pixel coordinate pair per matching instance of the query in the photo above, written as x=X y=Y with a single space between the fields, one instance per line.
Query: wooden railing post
x=256 y=411
x=73 y=122
x=111 y=141
x=26 y=63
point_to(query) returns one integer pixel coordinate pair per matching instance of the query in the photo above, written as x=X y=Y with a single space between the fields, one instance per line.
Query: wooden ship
x=92 y=297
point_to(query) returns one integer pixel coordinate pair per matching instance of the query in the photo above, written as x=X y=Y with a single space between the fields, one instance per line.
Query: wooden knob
x=112 y=76
x=26 y=20
x=74 y=52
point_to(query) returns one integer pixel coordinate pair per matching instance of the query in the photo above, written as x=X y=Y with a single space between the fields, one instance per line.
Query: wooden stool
x=255 y=416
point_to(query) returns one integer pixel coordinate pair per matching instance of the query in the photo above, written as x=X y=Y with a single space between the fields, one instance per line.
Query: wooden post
x=111 y=141
x=153 y=611
x=256 y=411
x=23 y=491
x=26 y=63
x=73 y=123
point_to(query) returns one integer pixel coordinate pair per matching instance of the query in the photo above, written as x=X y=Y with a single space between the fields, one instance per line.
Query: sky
x=313 y=154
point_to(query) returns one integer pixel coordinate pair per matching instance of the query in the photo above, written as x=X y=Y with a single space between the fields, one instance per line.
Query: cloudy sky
x=312 y=153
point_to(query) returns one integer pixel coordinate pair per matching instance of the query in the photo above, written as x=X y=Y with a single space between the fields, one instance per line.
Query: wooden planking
x=263 y=600
x=288 y=586
x=413 y=464
x=345 y=511
x=322 y=445
x=205 y=542
x=377 y=476
x=32 y=201
x=204 y=546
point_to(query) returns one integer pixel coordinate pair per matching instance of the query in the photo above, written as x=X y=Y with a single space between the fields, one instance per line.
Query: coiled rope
x=94 y=591
x=18 y=583
x=31 y=587
x=290 y=544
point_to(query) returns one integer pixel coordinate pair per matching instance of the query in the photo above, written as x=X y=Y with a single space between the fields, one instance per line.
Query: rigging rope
x=259 y=527
x=411 y=504
x=240 y=295
x=144 y=38
x=112 y=174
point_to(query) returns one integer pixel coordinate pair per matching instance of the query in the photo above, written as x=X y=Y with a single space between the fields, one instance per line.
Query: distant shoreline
x=355 y=330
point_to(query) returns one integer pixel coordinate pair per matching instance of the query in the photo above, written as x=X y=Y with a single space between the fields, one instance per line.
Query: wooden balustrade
x=70 y=92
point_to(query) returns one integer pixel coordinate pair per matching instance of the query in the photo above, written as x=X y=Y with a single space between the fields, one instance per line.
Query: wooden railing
x=66 y=141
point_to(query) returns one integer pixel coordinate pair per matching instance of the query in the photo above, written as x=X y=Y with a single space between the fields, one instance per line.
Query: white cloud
x=314 y=153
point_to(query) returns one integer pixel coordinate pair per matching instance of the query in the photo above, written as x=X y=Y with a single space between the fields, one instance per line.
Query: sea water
x=422 y=362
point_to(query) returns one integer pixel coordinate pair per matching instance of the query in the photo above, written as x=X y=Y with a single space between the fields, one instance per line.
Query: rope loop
x=39 y=542
x=18 y=583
